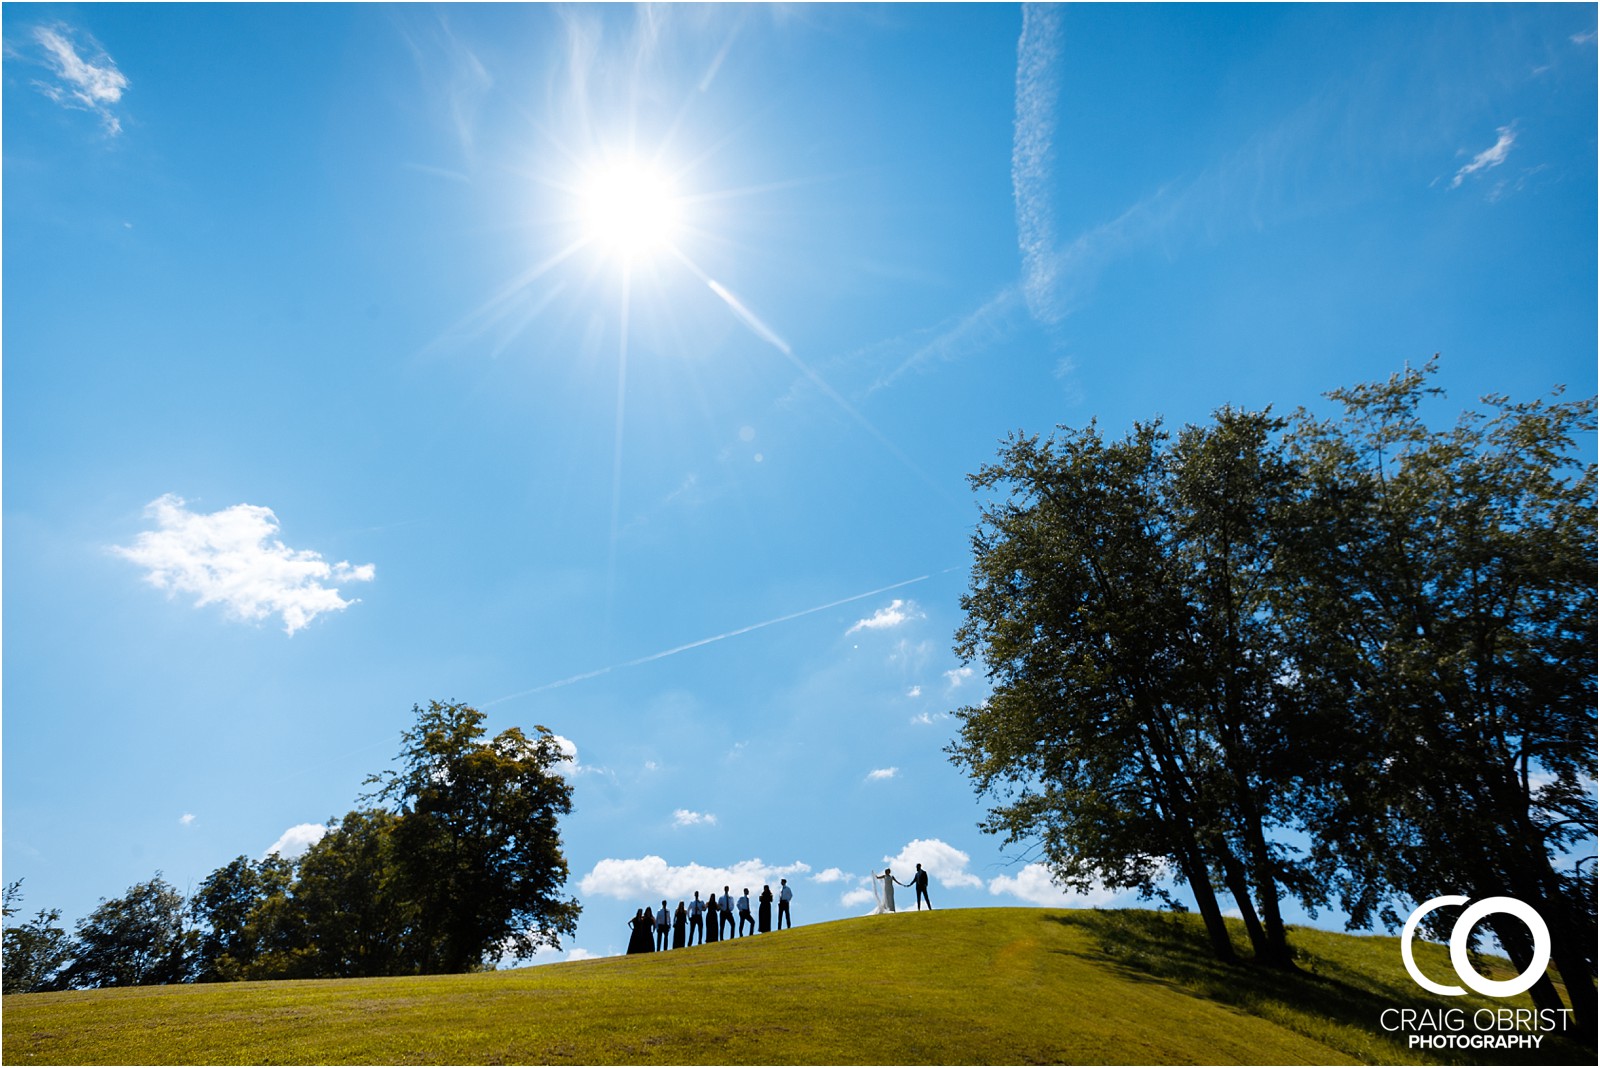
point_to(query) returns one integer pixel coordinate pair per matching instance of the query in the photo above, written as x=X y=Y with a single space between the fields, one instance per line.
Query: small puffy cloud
x=955 y=677
x=859 y=896
x=896 y=613
x=579 y=953
x=232 y=558
x=297 y=839
x=1034 y=885
x=186 y=819
x=883 y=773
x=941 y=860
x=915 y=691
x=91 y=84
x=650 y=878
x=684 y=817
x=1492 y=156
x=830 y=875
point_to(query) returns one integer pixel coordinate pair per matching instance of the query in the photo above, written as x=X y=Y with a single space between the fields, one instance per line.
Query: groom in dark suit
x=920 y=881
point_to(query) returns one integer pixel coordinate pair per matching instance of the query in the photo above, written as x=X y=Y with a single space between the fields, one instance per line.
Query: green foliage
x=1137 y=715
x=1439 y=597
x=477 y=849
x=34 y=952
x=1369 y=630
x=140 y=939
x=242 y=906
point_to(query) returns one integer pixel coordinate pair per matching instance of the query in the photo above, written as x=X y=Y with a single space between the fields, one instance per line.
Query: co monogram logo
x=1458 y=946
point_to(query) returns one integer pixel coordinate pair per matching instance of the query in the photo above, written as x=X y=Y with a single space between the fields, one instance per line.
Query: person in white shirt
x=726 y=905
x=744 y=912
x=663 y=927
x=697 y=920
x=785 y=895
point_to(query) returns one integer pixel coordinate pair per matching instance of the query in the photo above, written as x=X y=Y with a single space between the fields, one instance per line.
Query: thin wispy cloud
x=957 y=677
x=684 y=817
x=1490 y=157
x=882 y=773
x=84 y=77
x=233 y=558
x=187 y=819
x=675 y=650
x=1033 y=156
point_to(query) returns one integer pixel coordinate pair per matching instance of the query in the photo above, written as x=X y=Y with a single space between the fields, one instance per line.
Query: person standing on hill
x=920 y=881
x=744 y=912
x=764 y=921
x=713 y=918
x=643 y=923
x=697 y=919
x=663 y=927
x=680 y=921
x=886 y=898
x=727 y=908
x=785 y=895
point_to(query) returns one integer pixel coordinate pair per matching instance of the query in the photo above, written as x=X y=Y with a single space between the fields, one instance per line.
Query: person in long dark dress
x=764 y=911
x=713 y=919
x=680 y=924
x=642 y=939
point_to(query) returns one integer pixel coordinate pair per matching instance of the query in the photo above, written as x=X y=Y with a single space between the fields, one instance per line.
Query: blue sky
x=323 y=397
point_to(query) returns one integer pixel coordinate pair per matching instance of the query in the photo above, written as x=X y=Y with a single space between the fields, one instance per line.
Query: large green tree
x=140 y=939
x=1439 y=597
x=1135 y=725
x=477 y=846
x=241 y=908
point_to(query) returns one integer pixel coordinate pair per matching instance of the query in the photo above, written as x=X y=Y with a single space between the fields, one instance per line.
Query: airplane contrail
x=675 y=650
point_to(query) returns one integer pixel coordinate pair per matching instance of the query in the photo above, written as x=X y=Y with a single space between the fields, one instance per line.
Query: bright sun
x=629 y=210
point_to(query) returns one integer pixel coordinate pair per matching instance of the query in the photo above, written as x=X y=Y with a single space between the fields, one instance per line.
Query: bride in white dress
x=885 y=894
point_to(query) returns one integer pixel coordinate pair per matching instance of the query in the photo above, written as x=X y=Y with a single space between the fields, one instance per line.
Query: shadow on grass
x=1323 y=998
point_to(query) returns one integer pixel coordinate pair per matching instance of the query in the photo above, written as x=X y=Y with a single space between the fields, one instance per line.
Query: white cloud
x=956 y=676
x=686 y=818
x=186 y=819
x=1492 y=156
x=231 y=557
x=883 y=773
x=858 y=896
x=831 y=875
x=896 y=613
x=297 y=839
x=1032 y=157
x=569 y=766
x=1033 y=884
x=915 y=691
x=942 y=861
x=579 y=953
x=651 y=878
x=93 y=84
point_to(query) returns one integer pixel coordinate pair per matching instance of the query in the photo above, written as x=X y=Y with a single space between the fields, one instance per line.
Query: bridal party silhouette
x=655 y=930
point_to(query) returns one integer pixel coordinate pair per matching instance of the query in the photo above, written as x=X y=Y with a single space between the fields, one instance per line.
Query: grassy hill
x=971 y=986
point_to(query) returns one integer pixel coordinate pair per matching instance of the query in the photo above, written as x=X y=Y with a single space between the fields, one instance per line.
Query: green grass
x=972 y=986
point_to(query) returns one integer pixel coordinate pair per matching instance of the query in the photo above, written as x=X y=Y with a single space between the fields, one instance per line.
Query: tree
x=1439 y=597
x=477 y=849
x=139 y=939
x=34 y=952
x=1137 y=714
x=350 y=914
x=241 y=905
